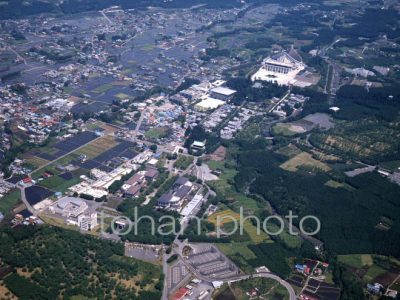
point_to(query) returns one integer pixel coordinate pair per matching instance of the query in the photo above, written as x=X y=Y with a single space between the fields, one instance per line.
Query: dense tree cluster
x=348 y=218
x=246 y=91
x=356 y=102
x=63 y=263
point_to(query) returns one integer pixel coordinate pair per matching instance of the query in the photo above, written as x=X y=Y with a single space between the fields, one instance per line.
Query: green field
x=304 y=159
x=9 y=201
x=284 y=129
x=58 y=184
x=157 y=133
x=356 y=260
x=268 y=289
x=103 y=88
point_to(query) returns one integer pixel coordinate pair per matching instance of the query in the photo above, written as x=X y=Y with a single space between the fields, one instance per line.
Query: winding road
x=289 y=288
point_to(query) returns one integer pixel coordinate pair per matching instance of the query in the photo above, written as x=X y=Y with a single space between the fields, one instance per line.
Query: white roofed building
x=280 y=68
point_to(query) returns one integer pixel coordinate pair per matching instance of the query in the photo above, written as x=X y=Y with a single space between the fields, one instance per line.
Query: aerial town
x=115 y=119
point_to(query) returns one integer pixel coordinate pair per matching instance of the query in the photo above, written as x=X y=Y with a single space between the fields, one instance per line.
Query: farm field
x=98 y=146
x=61 y=182
x=227 y=216
x=373 y=268
x=304 y=159
x=365 y=140
x=36 y=162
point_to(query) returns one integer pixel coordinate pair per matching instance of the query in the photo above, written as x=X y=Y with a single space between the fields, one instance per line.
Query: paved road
x=139 y=123
x=279 y=102
x=25 y=201
x=289 y=288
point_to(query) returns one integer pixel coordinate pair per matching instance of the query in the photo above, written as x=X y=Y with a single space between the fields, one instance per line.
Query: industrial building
x=222 y=93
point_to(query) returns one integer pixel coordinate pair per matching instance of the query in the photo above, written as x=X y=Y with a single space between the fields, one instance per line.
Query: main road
x=289 y=288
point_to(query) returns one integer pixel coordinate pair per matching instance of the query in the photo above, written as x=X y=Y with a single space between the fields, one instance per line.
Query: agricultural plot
x=98 y=147
x=225 y=216
x=35 y=194
x=373 y=268
x=304 y=159
x=35 y=161
x=336 y=185
x=228 y=216
x=61 y=182
x=366 y=140
x=289 y=150
x=356 y=260
x=63 y=147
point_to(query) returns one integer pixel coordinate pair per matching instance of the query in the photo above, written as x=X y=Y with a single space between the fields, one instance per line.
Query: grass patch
x=58 y=184
x=287 y=129
x=289 y=150
x=103 y=88
x=356 y=260
x=304 y=159
x=157 y=133
x=235 y=248
x=122 y=96
x=227 y=216
x=183 y=162
x=9 y=201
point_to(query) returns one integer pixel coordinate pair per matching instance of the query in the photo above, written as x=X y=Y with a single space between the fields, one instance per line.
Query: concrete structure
x=198 y=146
x=192 y=205
x=222 y=93
x=174 y=198
x=76 y=212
